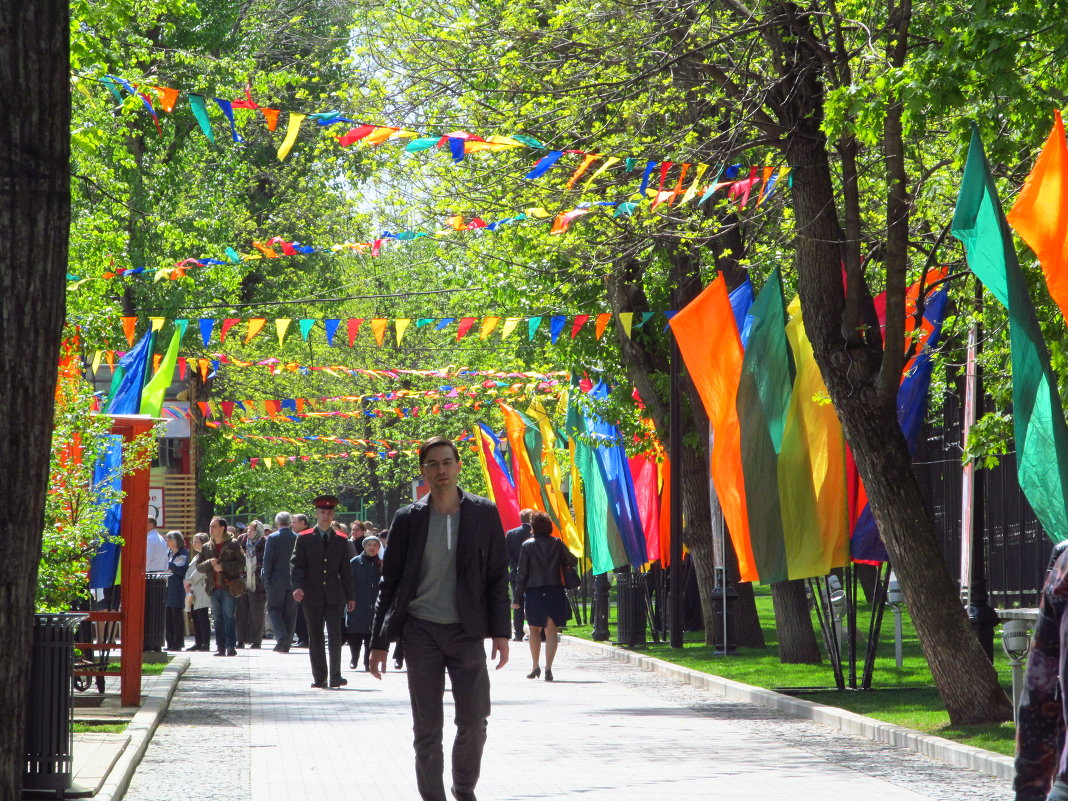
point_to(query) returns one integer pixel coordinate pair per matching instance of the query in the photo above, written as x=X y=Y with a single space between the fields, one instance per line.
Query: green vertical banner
x=762 y=402
x=1038 y=417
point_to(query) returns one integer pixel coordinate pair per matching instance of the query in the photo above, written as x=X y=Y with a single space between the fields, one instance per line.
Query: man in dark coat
x=322 y=583
x=444 y=590
x=275 y=575
x=513 y=541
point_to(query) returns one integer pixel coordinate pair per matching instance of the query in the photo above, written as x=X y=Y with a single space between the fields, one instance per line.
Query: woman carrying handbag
x=543 y=560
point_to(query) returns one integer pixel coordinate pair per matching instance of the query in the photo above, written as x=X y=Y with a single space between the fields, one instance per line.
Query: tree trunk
x=35 y=220
x=204 y=507
x=797 y=640
x=850 y=360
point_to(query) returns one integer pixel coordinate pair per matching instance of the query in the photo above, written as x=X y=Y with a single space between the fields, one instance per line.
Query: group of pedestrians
x=439 y=586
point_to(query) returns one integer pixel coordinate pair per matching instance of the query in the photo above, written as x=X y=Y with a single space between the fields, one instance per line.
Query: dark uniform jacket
x=481 y=570
x=514 y=540
x=322 y=569
x=277 y=555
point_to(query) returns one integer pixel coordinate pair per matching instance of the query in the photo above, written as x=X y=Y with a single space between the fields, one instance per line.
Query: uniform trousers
x=431 y=650
x=315 y=615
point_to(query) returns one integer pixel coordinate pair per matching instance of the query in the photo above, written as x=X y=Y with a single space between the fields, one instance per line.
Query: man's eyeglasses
x=436 y=465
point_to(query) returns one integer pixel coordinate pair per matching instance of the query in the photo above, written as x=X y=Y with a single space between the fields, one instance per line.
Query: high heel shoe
x=534 y=673
x=548 y=674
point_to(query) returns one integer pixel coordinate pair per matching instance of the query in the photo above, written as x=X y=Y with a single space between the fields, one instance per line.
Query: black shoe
x=548 y=674
x=231 y=652
x=220 y=652
x=204 y=648
x=462 y=795
x=518 y=639
x=240 y=644
x=255 y=646
x=398 y=664
x=352 y=665
x=319 y=685
x=281 y=649
x=534 y=673
x=299 y=644
x=338 y=682
x=193 y=648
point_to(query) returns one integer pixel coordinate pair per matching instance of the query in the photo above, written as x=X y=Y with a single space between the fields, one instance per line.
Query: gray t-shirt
x=435 y=597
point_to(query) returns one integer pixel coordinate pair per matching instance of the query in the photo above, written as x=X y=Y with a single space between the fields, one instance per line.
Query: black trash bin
x=630 y=608
x=49 y=763
x=155 y=611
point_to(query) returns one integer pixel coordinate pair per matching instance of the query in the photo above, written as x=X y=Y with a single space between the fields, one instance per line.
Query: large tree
x=34 y=215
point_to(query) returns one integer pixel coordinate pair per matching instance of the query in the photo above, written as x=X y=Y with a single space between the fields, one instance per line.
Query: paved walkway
x=250 y=728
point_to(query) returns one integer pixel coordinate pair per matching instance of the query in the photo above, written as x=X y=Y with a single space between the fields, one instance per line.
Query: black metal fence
x=1015 y=547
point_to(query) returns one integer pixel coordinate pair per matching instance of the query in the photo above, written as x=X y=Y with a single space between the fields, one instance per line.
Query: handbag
x=236 y=586
x=569 y=577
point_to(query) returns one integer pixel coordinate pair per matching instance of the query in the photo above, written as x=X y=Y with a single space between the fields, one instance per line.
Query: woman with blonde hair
x=540 y=584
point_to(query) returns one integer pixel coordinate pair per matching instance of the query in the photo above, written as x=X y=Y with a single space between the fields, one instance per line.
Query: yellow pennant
x=692 y=191
x=488 y=324
x=97 y=356
x=509 y=326
x=291 y=135
x=626 y=319
x=608 y=163
x=157 y=323
x=537 y=213
x=378 y=326
x=268 y=462
x=281 y=325
x=401 y=326
x=255 y=325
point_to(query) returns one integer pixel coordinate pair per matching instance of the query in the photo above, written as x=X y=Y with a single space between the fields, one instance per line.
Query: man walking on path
x=322 y=582
x=277 y=556
x=444 y=590
x=514 y=540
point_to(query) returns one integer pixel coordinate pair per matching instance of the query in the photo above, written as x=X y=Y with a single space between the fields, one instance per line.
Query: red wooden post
x=133 y=530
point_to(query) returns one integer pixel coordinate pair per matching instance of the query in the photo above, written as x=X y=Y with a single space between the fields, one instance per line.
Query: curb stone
x=140 y=730
x=948 y=751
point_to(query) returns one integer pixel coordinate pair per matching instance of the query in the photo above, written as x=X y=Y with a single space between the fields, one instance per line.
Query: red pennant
x=227 y=408
x=465 y=326
x=580 y=320
x=355 y=134
x=205 y=409
x=228 y=323
x=354 y=328
x=181 y=369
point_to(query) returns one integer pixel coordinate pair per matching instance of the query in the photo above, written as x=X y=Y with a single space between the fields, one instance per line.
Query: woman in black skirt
x=540 y=584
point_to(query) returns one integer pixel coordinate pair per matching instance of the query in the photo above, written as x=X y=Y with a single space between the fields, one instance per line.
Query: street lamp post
x=1016 y=640
x=896 y=599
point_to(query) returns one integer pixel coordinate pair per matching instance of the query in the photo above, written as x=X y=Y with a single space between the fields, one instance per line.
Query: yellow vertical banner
x=291 y=135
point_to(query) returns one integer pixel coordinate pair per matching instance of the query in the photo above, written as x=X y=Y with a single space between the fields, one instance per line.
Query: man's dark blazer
x=277 y=555
x=481 y=570
x=322 y=570
x=513 y=541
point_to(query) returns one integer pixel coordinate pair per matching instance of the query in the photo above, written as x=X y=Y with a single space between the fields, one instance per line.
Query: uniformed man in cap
x=322 y=584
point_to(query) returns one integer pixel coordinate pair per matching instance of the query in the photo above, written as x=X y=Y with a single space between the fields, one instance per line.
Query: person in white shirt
x=157 y=554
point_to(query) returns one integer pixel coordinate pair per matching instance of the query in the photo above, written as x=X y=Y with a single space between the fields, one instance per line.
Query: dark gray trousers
x=430 y=650
x=315 y=615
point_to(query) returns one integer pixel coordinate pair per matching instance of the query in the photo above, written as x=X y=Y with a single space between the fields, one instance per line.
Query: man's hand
x=351 y=605
x=515 y=606
x=377 y=663
x=500 y=646
x=298 y=595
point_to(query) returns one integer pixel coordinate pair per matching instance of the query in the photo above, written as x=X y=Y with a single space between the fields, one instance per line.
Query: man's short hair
x=220 y=520
x=303 y=518
x=153 y=521
x=435 y=442
x=283 y=519
x=525 y=514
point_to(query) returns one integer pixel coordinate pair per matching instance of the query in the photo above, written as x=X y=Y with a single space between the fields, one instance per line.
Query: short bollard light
x=1016 y=640
x=896 y=599
x=836 y=595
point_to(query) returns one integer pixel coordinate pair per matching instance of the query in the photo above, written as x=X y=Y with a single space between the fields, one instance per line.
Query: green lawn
x=905 y=696
x=98 y=728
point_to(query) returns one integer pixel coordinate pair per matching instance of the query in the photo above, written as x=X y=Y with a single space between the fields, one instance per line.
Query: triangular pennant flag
x=157 y=323
x=585 y=165
x=401 y=325
x=281 y=325
x=354 y=328
x=556 y=325
x=109 y=355
x=200 y=111
x=331 y=329
x=97 y=357
x=268 y=462
x=281 y=460
x=129 y=325
x=291 y=134
x=443 y=322
x=464 y=326
x=227 y=408
x=228 y=111
x=424 y=321
x=488 y=324
x=228 y=323
x=692 y=191
x=183 y=366
x=182 y=326
x=167 y=97
x=255 y=460
x=191 y=363
x=626 y=319
x=255 y=325
x=509 y=326
x=602 y=323
x=532 y=327
x=612 y=160
x=207 y=324
x=378 y=326
x=156 y=359
x=646 y=316
x=204 y=365
x=271 y=115
x=580 y=320
x=305 y=326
